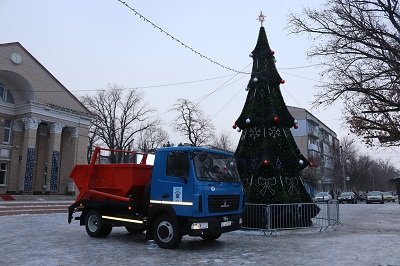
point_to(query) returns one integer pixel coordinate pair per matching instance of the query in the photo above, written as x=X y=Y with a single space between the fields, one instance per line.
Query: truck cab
x=184 y=190
x=200 y=187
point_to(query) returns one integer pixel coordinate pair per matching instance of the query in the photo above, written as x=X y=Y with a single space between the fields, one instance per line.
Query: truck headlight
x=197 y=226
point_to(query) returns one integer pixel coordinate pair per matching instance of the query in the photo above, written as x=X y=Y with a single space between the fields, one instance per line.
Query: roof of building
x=40 y=86
x=314 y=117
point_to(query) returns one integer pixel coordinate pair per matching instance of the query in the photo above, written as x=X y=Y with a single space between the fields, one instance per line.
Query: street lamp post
x=373 y=182
x=343 y=169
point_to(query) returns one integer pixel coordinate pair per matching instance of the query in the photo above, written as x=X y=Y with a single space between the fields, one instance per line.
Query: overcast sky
x=89 y=44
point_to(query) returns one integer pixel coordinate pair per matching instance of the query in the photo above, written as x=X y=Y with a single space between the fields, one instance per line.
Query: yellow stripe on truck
x=122 y=219
x=168 y=202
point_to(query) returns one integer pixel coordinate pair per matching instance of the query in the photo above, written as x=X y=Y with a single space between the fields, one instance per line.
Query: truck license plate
x=227 y=223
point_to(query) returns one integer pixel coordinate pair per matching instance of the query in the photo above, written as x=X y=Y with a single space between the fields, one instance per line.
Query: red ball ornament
x=265 y=162
x=282 y=81
x=296 y=126
x=272 y=52
x=234 y=126
x=276 y=119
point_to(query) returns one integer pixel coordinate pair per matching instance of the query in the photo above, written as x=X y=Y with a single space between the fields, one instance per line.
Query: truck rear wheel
x=210 y=237
x=166 y=232
x=95 y=226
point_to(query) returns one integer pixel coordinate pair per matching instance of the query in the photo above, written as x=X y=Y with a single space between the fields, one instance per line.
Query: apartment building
x=43 y=127
x=318 y=143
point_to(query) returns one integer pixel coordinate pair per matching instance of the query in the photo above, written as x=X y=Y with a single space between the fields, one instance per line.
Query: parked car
x=348 y=197
x=389 y=196
x=322 y=197
x=374 y=196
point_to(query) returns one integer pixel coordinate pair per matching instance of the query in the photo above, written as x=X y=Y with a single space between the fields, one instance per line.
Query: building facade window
x=313 y=141
x=3 y=173
x=5 y=95
x=7 y=132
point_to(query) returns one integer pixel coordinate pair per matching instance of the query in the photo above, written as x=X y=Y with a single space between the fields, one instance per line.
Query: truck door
x=176 y=185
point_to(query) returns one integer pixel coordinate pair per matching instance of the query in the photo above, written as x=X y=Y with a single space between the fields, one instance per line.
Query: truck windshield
x=215 y=167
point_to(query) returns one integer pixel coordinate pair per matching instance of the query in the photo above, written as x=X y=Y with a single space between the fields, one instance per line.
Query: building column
x=15 y=164
x=54 y=155
x=28 y=159
x=69 y=159
x=42 y=153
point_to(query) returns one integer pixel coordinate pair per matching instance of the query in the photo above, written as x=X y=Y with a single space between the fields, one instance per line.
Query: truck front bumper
x=214 y=225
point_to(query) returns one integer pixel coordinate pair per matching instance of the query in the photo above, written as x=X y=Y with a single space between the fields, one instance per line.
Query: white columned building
x=43 y=127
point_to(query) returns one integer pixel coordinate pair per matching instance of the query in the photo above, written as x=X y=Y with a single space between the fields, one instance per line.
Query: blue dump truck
x=177 y=191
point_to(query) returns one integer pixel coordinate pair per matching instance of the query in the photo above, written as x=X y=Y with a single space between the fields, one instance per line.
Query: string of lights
x=169 y=84
x=195 y=51
x=138 y=87
x=300 y=67
x=291 y=96
x=180 y=83
x=179 y=41
x=227 y=103
x=299 y=76
x=223 y=85
x=200 y=99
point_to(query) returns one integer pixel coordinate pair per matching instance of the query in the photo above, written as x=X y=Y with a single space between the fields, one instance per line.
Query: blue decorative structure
x=30 y=160
x=54 y=170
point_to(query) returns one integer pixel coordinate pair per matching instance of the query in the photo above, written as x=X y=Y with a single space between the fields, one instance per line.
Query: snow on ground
x=370 y=235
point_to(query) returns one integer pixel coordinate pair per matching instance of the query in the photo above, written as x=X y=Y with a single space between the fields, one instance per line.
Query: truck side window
x=178 y=164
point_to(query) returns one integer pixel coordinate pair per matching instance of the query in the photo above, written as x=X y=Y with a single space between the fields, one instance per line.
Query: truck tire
x=210 y=237
x=166 y=232
x=94 y=225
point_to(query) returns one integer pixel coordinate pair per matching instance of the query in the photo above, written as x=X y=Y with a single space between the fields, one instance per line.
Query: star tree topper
x=261 y=18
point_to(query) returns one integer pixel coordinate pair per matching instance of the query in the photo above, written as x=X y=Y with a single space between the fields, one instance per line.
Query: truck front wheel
x=210 y=237
x=95 y=226
x=166 y=232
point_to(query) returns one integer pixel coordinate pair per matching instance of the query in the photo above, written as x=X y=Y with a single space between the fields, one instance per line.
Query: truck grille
x=223 y=203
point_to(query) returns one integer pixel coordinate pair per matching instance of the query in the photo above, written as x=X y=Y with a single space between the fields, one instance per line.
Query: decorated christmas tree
x=270 y=161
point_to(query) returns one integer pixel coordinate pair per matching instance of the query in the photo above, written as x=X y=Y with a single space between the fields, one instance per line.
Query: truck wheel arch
x=158 y=209
x=166 y=231
x=95 y=226
x=155 y=211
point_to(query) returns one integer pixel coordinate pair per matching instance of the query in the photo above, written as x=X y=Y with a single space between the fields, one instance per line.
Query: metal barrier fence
x=273 y=217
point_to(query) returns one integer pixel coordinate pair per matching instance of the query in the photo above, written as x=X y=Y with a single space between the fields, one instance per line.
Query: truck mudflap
x=214 y=225
x=71 y=210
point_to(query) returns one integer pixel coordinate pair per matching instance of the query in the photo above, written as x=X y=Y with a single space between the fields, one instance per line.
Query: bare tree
x=361 y=170
x=359 y=44
x=152 y=138
x=365 y=172
x=93 y=139
x=388 y=172
x=344 y=155
x=223 y=141
x=192 y=123
x=119 y=116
